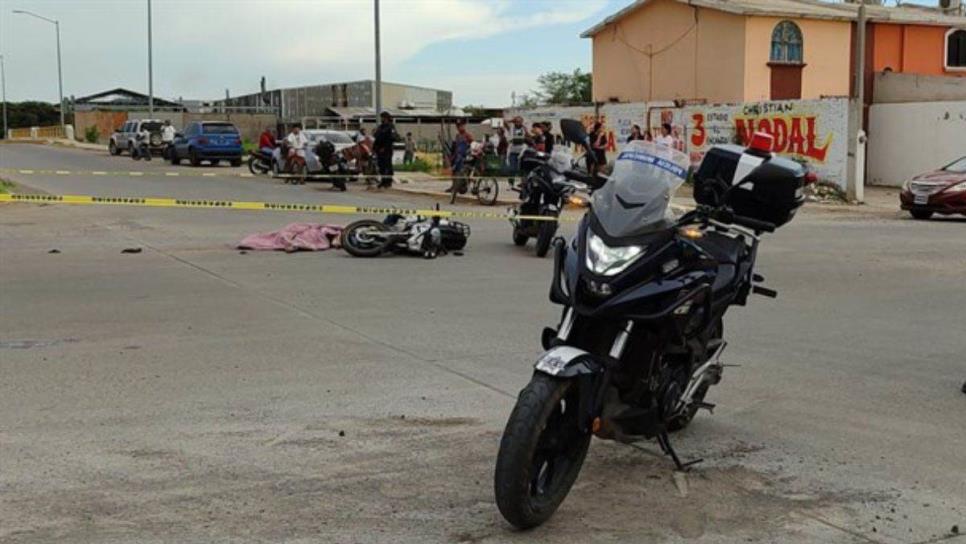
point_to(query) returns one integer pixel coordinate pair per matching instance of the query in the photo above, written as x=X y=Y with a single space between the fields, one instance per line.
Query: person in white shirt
x=665 y=138
x=167 y=138
x=296 y=140
x=167 y=133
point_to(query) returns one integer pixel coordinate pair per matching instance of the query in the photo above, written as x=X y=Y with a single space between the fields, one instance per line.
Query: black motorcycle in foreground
x=644 y=295
x=544 y=191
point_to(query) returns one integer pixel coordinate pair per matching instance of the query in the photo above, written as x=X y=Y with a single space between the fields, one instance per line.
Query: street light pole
x=150 y=68
x=60 y=78
x=378 y=90
x=3 y=89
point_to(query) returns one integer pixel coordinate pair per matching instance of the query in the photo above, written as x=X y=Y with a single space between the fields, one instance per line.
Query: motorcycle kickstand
x=664 y=441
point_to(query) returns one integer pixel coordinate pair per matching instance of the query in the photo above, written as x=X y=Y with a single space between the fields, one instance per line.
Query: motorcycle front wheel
x=541 y=452
x=545 y=237
x=358 y=239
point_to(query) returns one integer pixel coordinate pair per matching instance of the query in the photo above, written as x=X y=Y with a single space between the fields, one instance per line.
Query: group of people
x=380 y=146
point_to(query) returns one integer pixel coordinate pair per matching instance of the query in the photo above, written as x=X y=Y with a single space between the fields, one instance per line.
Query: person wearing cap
x=384 y=137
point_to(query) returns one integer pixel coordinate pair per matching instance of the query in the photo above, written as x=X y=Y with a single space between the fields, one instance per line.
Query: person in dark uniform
x=384 y=137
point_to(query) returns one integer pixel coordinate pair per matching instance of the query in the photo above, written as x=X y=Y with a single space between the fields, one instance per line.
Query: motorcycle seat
x=724 y=249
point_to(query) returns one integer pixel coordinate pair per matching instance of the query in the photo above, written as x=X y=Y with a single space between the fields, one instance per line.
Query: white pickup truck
x=124 y=138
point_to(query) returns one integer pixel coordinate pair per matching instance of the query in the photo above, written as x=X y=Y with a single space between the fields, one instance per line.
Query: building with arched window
x=746 y=50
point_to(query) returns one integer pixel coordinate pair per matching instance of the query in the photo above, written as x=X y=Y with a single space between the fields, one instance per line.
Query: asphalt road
x=191 y=393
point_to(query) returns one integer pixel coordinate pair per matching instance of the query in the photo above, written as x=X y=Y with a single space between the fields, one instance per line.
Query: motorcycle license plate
x=922 y=199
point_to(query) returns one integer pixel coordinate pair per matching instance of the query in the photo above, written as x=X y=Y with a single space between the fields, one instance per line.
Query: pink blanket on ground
x=296 y=237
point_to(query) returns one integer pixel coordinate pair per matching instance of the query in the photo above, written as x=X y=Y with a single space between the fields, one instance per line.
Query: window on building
x=956 y=49
x=786 y=43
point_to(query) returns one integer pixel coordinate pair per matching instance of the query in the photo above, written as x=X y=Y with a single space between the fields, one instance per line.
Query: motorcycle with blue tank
x=644 y=295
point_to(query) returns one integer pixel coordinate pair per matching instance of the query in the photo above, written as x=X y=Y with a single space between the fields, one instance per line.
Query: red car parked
x=942 y=191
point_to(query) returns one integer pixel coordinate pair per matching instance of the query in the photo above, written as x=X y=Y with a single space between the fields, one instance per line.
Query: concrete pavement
x=191 y=393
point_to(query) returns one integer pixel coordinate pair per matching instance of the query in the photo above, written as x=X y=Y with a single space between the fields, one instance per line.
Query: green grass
x=5 y=186
x=419 y=164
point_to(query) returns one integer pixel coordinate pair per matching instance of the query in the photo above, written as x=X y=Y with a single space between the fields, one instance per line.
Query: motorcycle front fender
x=568 y=362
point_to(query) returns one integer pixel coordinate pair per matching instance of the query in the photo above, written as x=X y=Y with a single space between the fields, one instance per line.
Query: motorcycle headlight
x=610 y=261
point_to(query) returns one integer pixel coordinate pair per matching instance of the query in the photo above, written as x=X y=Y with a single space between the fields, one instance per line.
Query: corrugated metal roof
x=803 y=9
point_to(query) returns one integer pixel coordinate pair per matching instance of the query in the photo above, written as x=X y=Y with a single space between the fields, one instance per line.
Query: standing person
x=517 y=144
x=384 y=137
x=537 y=137
x=635 y=134
x=501 y=143
x=598 y=146
x=410 y=149
x=461 y=148
x=167 y=138
x=548 y=137
x=665 y=138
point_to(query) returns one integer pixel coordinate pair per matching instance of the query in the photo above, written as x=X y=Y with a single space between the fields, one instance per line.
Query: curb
x=445 y=196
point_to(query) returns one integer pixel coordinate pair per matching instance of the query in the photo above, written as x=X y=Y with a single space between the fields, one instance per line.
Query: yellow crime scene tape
x=160 y=202
x=223 y=174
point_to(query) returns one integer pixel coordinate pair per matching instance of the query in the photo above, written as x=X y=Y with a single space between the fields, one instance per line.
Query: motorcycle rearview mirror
x=573 y=130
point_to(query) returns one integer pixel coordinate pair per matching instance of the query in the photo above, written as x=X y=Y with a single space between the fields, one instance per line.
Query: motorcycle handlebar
x=754 y=224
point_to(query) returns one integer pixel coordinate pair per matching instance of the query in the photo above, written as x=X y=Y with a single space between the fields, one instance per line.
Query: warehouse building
x=355 y=98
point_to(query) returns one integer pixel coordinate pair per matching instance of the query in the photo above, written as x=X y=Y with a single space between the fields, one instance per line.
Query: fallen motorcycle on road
x=429 y=237
x=644 y=294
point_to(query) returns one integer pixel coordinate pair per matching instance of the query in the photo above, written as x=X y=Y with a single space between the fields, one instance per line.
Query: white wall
x=908 y=139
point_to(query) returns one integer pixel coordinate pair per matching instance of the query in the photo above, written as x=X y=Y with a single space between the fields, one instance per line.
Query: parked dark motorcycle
x=644 y=294
x=259 y=162
x=544 y=191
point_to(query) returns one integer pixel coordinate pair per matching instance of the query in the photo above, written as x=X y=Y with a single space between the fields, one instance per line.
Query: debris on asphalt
x=131 y=250
x=341 y=433
x=824 y=191
x=954 y=530
x=54 y=251
x=681 y=482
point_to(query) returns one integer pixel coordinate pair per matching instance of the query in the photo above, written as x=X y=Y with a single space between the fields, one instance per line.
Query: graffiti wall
x=811 y=130
x=814 y=131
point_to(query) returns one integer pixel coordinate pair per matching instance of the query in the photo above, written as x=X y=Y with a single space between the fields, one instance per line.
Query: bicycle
x=475 y=178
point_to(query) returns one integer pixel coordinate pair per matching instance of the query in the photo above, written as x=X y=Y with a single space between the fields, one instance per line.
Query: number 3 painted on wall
x=698 y=137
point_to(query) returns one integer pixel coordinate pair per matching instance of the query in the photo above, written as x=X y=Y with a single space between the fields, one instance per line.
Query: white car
x=339 y=138
x=123 y=138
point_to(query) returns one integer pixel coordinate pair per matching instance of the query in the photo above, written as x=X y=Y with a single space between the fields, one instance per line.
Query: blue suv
x=210 y=141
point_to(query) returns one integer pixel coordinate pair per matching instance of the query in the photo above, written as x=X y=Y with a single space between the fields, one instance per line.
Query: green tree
x=563 y=89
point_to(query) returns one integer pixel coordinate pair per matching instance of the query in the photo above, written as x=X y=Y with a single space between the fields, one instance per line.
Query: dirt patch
x=418 y=479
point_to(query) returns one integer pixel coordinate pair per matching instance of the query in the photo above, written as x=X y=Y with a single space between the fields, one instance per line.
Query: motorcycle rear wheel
x=358 y=244
x=541 y=452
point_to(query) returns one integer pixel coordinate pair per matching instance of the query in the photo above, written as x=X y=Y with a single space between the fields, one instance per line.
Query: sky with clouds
x=482 y=50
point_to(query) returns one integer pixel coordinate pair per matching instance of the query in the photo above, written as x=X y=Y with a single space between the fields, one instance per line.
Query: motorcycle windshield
x=637 y=197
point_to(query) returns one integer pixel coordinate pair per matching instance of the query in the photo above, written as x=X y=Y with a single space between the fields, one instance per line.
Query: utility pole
x=377 y=92
x=150 y=68
x=855 y=188
x=3 y=88
x=60 y=79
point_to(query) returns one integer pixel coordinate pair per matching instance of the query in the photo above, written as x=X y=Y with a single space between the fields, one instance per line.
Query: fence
x=36 y=133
